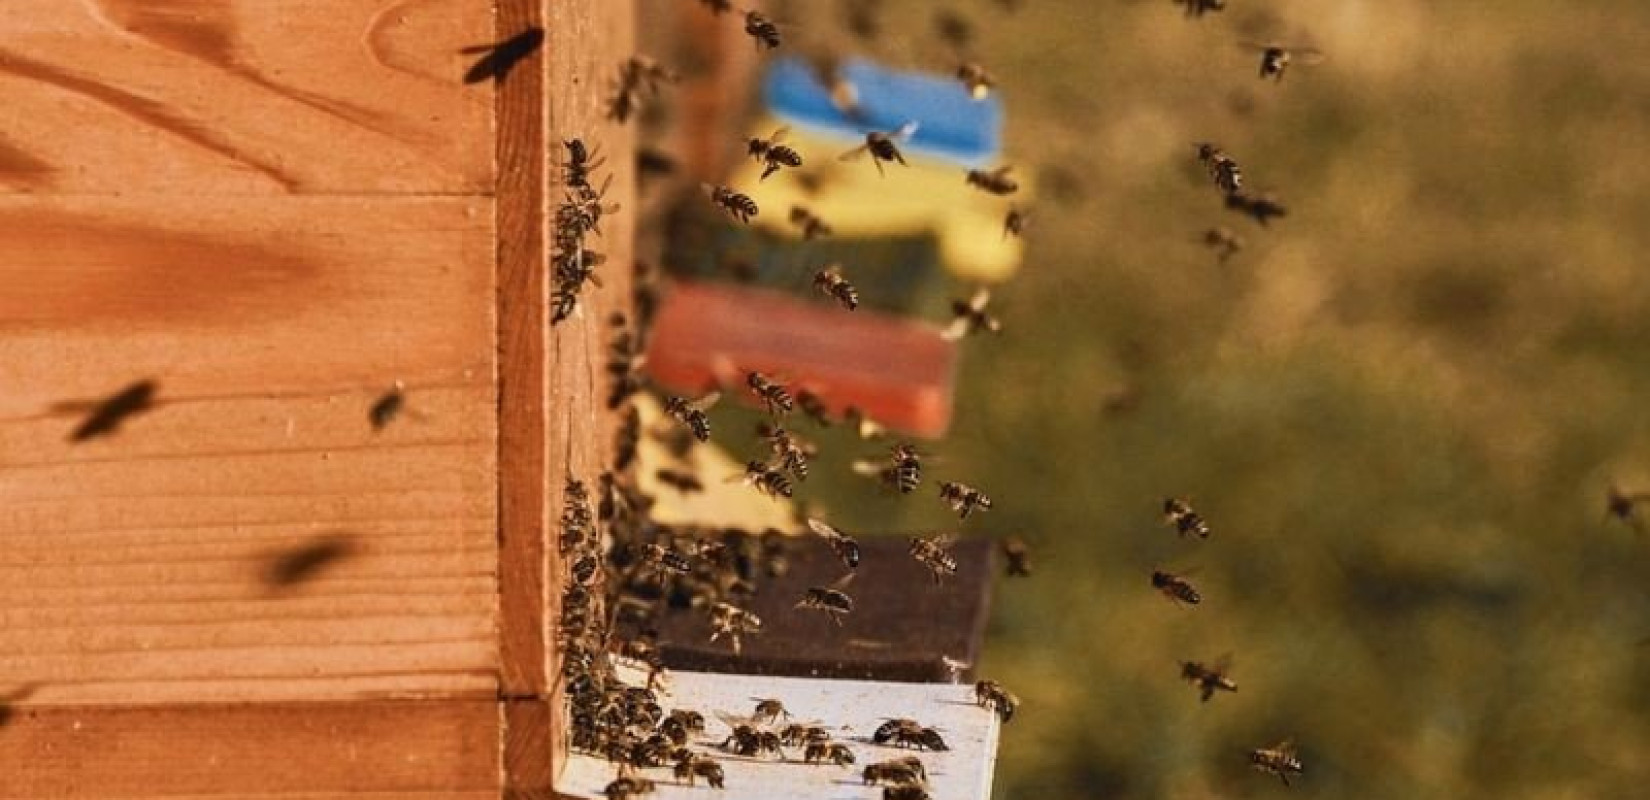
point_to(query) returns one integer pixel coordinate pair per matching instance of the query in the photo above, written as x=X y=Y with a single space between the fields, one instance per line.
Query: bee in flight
x=733 y=622
x=739 y=206
x=994 y=181
x=769 y=709
x=841 y=543
x=882 y=145
x=829 y=282
x=790 y=451
x=902 y=473
x=970 y=316
x=1178 y=513
x=1197 y=8
x=762 y=30
x=1014 y=224
x=1018 y=556
x=1223 y=241
x=772 y=395
x=1176 y=588
x=834 y=602
x=1222 y=167
x=963 y=498
x=1624 y=506
x=691 y=413
x=1259 y=207
x=1279 y=759
x=812 y=226
x=1208 y=679
x=978 y=81
x=772 y=153
x=1275 y=58
x=934 y=553
x=766 y=479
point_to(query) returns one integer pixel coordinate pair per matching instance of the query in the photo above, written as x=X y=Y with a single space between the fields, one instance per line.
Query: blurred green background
x=1399 y=407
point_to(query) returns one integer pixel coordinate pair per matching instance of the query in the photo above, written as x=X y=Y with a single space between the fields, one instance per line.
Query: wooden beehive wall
x=274 y=211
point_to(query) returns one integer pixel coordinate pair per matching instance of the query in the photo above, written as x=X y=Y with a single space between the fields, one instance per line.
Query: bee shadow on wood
x=306 y=562
x=500 y=58
x=104 y=417
x=23 y=692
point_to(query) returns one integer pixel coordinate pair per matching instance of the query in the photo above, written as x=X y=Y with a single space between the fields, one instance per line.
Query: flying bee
x=765 y=478
x=739 y=206
x=1275 y=59
x=1176 y=588
x=629 y=437
x=1279 y=759
x=1019 y=557
x=1222 y=167
x=1261 y=208
x=992 y=695
x=902 y=472
x=789 y=450
x=773 y=395
x=1623 y=506
x=717 y=7
x=1223 y=241
x=814 y=407
x=1014 y=224
x=882 y=146
x=954 y=29
x=812 y=226
x=639 y=78
x=691 y=413
x=769 y=709
x=963 y=498
x=970 y=316
x=772 y=153
x=664 y=560
x=1207 y=679
x=693 y=766
x=935 y=554
x=1197 y=8
x=841 y=543
x=762 y=30
x=820 y=752
x=733 y=622
x=829 y=282
x=683 y=482
x=899 y=771
x=1178 y=513
x=978 y=81
x=834 y=602
x=994 y=181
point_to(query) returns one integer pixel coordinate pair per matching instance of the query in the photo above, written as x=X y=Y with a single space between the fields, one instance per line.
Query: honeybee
x=841 y=543
x=1279 y=759
x=739 y=206
x=1178 y=513
x=1197 y=8
x=762 y=30
x=772 y=153
x=818 y=752
x=882 y=146
x=992 y=695
x=388 y=407
x=1222 y=167
x=691 y=413
x=789 y=450
x=978 y=81
x=909 y=733
x=766 y=479
x=1225 y=243
x=934 y=553
x=798 y=734
x=829 y=282
x=834 y=602
x=1260 y=208
x=683 y=482
x=970 y=316
x=692 y=766
x=954 y=29
x=814 y=407
x=812 y=226
x=746 y=740
x=627 y=787
x=639 y=77
x=1623 y=506
x=1175 y=588
x=902 y=473
x=1019 y=557
x=994 y=181
x=772 y=395
x=1208 y=680
x=576 y=519
x=908 y=770
x=963 y=498
x=769 y=709
x=664 y=560
x=581 y=161
x=1275 y=59
x=1014 y=224
x=692 y=720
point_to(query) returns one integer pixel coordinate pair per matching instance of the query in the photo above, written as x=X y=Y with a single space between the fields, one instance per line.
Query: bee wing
x=869 y=468
x=843 y=581
x=956 y=330
x=735 y=720
x=1286 y=747
x=906 y=131
x=824 y=529
x=1308 y=56
x=1223 y=664
x=856 y=153
x=943 y=540
x=981 y=298
x=779 y=134
x=705 y=401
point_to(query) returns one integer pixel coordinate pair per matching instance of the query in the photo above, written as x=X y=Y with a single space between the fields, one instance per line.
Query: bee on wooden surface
x=576 y=520
x=627 y=787
x=1222 y=167
x=992 y=695
x=812 y=226
x=1624 y=506
x=581 y=160
x=695 y=766
x=902 y=472
x=628 y=437
x=1179 y=514
x=497 y=60
x=664 y=560
x=790 y=451
x=691 y=413
x=739 y=206
x=882 y=145
x=908 y=770
x=964 y=499
x=745 y=740
x=1275 y=58
x=994 y=181
x=1175 y=588
x=1261 y=208
x=1208 y=679
x=978 y=81
x=762 y=30
x=387 y=407
x=766 y=479
x=1279 y=759
x=1197 y=8
x=1014 y=223
x=773 y=395
x=834 y=602
x=769 y=709
x=829 y=282
x=683 y=482
x=639 y=78
x=1018 y=557
x=772 y=153
x=1224 y=242
x=584 y=569
x=909 y=733
x=970 y=316
x=820 y=752
x=935 y=554
x=846 y=549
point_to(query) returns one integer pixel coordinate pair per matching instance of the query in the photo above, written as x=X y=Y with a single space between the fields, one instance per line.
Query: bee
x=978 y=81
x=841 y=543
x=692 y=766
x=1014 y=224
x=834 y=602
x=882 y=146
x=1624 y=506
x=1275 y=59
x=1175 y=588
x=1197 y=8
x=692 y=413
x=789 y=450
x=1222 y=167
x=639 y=78
x=964 y=498
x=953 y=29
x=769 y=709
x=905 y=791
x=1260 y=208
x=748 y=741
x=717 y=7
x=739 y=206
x=766 y=479
x=691 y=720
x=1019 y=557
x=908 y=770
x=683 y=482
x=994 y=181
x=829 y=282
x=388 y=407
x=818 y=752
x=1224 y=242
x=762 y=30
x=1208 y=680
x=970 y=316
x=772 y=153
x=814 y=407
x=626 y=788
x=797 y=734
x=992 y=695
x=773 y=395
x=909 y=733
x=812 y=226
x=934 y=553
x=1279 y=759
x=581 y=161
x=664 y=560
x=1178 y=513
x=864 y=426
x=584 y=569
x=902 y=473
x=629 y=436
x=498 y=59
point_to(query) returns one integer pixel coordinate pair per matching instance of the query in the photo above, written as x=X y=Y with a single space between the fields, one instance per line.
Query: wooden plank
x=175 y=559
x=243 y=97
x=291 y=751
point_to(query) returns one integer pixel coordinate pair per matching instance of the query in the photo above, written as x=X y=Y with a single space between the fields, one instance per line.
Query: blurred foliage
x=1399 y=407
